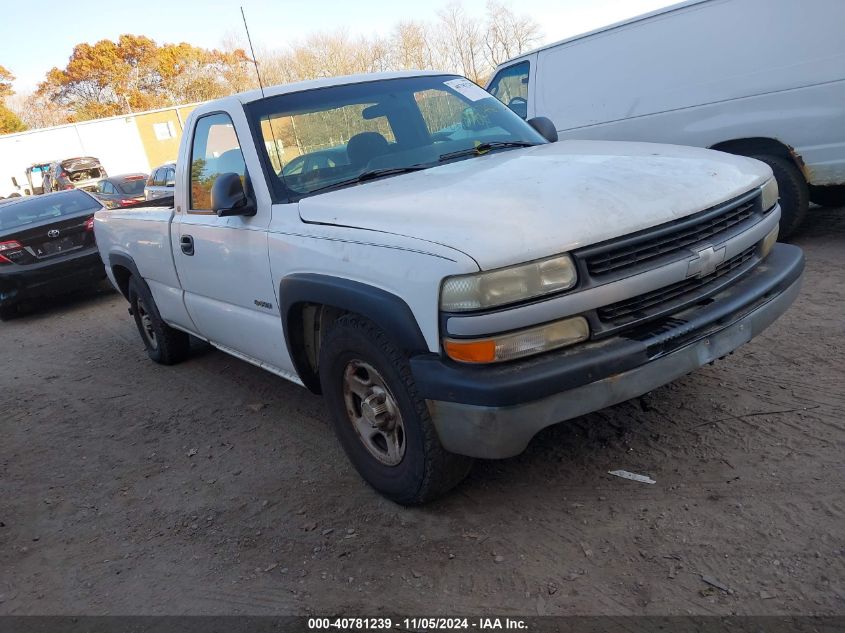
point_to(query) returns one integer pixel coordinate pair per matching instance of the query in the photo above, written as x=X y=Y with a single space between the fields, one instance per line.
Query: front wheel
x=164 y=344
x=380 y=420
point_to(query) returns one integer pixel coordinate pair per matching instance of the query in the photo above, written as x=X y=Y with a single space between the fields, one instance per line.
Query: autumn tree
x=110 y=78
x=9 y=121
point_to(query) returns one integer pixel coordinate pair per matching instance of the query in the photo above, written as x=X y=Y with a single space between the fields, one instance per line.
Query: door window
x=215 y=151
x=510 y=86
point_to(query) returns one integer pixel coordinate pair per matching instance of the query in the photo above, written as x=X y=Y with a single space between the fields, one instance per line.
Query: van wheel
x=794 y=193
x=380 y=419
x=828 y=196
x=164 y=344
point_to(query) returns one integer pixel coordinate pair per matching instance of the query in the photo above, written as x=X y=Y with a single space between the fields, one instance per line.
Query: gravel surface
x=215 y=487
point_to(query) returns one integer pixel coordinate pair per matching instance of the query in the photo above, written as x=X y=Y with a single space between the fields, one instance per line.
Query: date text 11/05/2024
x=425 y=623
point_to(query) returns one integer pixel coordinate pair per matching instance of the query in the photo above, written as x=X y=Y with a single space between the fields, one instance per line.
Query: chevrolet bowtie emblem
x=706 y=262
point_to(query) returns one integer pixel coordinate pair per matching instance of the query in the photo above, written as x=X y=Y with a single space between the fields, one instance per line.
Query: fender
x=121 y=259
x=386 y=310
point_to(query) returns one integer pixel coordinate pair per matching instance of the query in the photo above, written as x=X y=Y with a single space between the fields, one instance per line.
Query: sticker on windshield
x=467 y=89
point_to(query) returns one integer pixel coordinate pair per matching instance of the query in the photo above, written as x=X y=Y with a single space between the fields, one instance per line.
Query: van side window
x=510 y=86
x=215 y=151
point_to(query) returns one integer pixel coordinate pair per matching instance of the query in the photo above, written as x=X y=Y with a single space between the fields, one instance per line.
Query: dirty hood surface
x=517 y=205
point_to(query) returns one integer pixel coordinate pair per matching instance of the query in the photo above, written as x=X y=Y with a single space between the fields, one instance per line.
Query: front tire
x=164 y=344
x=794 y=193
x=380 y=419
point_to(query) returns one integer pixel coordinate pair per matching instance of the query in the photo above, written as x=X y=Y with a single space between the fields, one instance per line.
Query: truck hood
x=517 y=205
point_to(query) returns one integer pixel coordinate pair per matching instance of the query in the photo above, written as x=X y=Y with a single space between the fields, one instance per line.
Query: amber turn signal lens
x=471 y=351
x=519 y=344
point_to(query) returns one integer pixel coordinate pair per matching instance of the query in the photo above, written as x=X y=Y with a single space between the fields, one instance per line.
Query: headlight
x=518 y=344
x=770 y=194
x=508 y=285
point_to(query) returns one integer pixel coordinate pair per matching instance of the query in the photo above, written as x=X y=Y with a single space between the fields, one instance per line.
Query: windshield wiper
x=371 y=174
x=483 y=148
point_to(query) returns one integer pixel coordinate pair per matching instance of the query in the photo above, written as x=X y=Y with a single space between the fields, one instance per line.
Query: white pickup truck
x=447 y=276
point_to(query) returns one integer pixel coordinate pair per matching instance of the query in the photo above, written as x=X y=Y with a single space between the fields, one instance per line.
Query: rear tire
x=164 y=344
x=380 y=419
x=794 y=193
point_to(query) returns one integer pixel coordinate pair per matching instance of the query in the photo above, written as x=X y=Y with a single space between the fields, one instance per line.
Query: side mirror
x=229 y=198
x=545 y=127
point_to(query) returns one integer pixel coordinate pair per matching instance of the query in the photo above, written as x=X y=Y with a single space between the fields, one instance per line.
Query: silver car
x=161 y=182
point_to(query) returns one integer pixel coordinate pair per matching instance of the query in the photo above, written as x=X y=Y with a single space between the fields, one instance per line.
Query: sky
x=31 y=47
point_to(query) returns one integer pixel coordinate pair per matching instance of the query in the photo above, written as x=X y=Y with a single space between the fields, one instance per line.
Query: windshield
x=318 y=139
x=43 y=208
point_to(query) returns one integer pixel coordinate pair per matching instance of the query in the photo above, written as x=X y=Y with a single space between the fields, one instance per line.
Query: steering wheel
x=440 y=137
x=519 y=105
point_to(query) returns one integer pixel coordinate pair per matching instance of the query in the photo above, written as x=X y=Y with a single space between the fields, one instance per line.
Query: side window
x=170 y=177
x=510 y=86
x=215 y=151
x=158 y=177
x=108 y=188
x=101 y=186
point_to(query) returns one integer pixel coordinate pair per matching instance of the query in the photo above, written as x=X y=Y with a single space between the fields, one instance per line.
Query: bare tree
x=463 y=41
x=508 y=35
x=412 y=46
x=36 y=111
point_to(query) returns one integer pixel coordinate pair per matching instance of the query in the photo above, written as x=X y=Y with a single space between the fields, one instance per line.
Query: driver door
x=512 y=86
x=223 y=262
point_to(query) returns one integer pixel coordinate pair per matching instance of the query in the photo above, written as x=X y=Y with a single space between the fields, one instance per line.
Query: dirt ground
x=215 y=487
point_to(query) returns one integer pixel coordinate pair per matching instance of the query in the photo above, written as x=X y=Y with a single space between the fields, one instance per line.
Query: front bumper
x=493 y=412
x=18 y=283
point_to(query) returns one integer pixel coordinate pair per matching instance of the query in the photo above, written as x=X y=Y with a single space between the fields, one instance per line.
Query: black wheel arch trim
x=385 y=309
x=124 y=261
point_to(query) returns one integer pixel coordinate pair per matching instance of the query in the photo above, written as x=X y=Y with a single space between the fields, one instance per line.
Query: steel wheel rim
x=373 y=413
x=147 y=330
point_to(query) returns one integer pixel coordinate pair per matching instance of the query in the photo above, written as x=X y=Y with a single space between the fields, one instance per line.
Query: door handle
x=187 y=244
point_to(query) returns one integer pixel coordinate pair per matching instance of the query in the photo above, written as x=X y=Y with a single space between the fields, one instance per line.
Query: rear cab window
x=510 y=86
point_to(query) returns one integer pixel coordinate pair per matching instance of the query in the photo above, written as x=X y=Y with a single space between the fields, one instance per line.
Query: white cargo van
x=761 y=78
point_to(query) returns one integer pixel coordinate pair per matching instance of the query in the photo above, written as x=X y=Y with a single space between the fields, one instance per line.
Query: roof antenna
x=252 y=50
